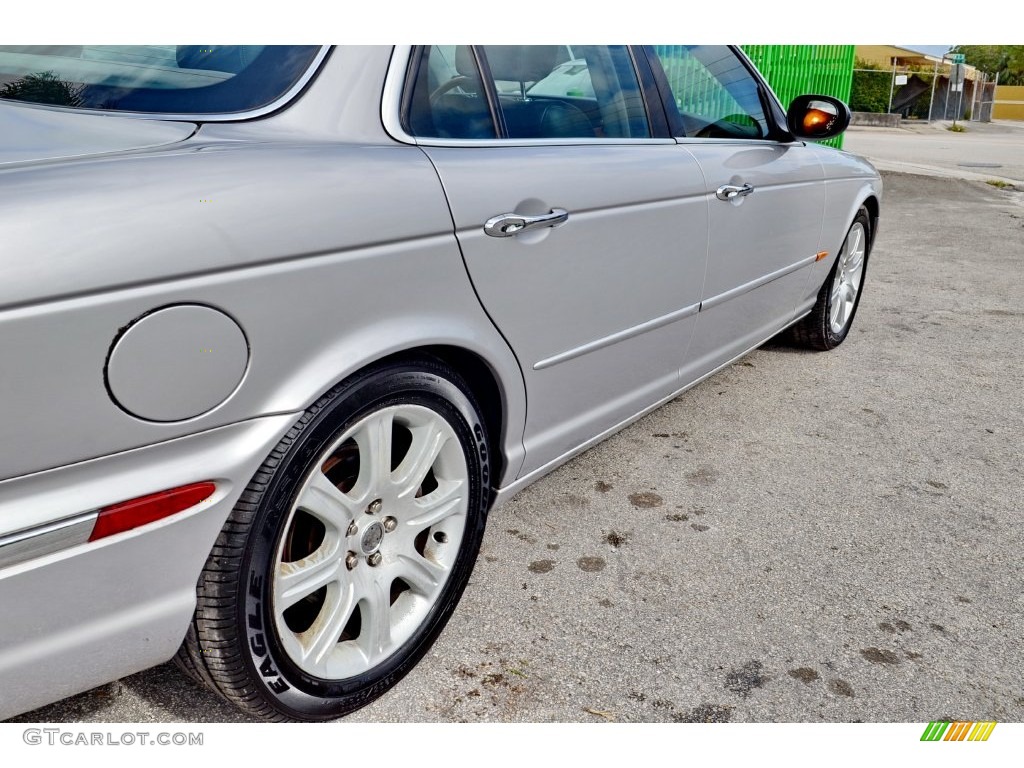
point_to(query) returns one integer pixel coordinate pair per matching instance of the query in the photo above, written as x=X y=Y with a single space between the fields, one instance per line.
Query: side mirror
x=817 y=117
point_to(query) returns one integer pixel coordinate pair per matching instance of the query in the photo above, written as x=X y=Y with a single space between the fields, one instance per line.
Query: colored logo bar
x=958 y=730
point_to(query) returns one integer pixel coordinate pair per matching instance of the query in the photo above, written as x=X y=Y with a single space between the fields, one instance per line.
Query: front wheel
x=348 y=551
x=830 y=320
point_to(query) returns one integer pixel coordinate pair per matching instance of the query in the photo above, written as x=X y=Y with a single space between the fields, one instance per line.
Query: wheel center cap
x=372 y=538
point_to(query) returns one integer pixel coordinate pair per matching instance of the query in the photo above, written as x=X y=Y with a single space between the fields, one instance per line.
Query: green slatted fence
x=793 y=70
x=695 y=89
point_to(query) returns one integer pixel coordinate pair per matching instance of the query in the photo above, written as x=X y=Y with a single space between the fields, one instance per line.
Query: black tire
x=815 y=330
x=233 y=645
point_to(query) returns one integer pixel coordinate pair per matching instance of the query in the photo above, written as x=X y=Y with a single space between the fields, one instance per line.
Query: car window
x=567 y=91
x=165 y=79
x=448 y=99
x=714 y=94
x=541 y=92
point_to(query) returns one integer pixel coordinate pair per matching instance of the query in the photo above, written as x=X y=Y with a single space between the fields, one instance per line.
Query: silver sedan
x=281 y=324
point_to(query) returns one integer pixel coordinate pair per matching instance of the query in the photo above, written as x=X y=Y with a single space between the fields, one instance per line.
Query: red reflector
x=118 y=518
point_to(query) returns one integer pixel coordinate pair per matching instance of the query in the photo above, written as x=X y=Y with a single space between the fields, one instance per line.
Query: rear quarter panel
x=328 y=255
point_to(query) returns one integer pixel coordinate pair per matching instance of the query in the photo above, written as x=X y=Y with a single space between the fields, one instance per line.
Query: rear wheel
x=829 y=322
x=348 y=551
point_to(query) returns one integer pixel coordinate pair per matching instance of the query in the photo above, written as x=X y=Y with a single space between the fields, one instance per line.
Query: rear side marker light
x=121 y=517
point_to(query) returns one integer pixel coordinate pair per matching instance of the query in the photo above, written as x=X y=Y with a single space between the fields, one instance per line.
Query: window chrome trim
x=42 y=540
x=695 y=141
x=391 y=97
x=581 y=142
x=201 y=117
x=391 y=117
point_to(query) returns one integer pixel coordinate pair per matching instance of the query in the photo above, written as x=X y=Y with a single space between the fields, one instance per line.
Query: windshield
x=166 y=79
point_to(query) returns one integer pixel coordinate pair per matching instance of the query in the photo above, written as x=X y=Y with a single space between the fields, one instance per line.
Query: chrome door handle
x=731 y=191
x=509 y=224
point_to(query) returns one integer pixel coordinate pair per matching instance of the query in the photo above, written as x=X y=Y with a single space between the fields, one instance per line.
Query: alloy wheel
x=846 y=284
x=370 y=541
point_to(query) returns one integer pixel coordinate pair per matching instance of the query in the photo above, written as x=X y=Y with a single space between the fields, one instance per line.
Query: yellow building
x=1009 y=104
x=888 y=56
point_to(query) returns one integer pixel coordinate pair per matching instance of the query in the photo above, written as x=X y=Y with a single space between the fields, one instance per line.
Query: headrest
x=521 y=63
x=465 y=63
x=518 y=63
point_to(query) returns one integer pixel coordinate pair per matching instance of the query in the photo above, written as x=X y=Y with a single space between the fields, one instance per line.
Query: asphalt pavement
x=803 y=537
x=982 y=152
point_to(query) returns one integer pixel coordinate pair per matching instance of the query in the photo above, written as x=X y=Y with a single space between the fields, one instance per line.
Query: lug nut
x=353 y=529
x=351 y=560
x=374 y=507
x=390 y=524
x=374 y=559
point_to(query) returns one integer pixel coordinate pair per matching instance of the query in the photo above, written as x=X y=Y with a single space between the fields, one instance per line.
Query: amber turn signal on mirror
x=817 y=117
x=817 y=120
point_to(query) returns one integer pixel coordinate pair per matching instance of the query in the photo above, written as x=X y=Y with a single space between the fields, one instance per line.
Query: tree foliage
x=1007 y=60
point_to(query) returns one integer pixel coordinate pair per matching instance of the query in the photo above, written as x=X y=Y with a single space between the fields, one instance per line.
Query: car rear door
x=766 y=200
x=585 y=238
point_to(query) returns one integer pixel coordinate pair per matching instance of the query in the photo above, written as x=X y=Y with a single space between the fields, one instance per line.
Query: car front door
x=585 y=238
x=766 y=200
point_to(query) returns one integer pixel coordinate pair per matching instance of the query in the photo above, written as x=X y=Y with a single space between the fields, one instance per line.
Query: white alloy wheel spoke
x=857 y=235
x=374 y=441
x=324 y=501
x=294 y=581
x=851 y=296
x=446 y=500
x=836 y=305
x=427 y=442
x=848 y=294
x=375 y=608
x=855 y=250
x=854 y=262
x=325 y=632
x=837 y=289
x=423 y=576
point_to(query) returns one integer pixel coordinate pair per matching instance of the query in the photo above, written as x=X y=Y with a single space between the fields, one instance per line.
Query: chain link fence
x=920 y=94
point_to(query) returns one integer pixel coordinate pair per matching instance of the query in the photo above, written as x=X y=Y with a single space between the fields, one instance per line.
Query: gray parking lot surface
x=983 y=152
x=803 y=537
